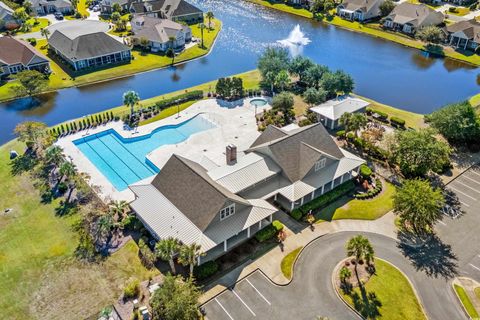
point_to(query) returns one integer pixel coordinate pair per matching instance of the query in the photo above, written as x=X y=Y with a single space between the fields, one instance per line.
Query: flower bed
x=371 y=193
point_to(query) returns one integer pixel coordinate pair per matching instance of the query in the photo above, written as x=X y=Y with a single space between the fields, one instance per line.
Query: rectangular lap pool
x=123 y=160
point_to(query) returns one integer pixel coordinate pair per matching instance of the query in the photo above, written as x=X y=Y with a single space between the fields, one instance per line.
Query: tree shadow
x=23 y=163
x=66 y=208
x=367 y=304
x=429 y=255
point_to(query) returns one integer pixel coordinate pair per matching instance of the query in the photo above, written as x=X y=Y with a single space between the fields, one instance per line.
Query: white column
x=313 y=195
x=341 y=179
x=270 y=218
x=465 y=47
x=323 y=189
x=225 y=245
x=275 y=197
x=350 y=174
x=333 y=124
x=259 y=224
x=333 y=181
x=292 y=205
x=248 y=232
x=301 y=201
x=198 y=260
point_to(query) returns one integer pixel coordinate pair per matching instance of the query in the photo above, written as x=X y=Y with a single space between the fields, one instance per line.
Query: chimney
x=231 y=153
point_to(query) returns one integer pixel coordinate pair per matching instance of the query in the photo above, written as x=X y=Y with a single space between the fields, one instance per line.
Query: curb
x=459 y=301
x=359 y=315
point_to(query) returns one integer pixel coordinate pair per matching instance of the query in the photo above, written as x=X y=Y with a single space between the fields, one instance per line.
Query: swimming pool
x=259 y=102
x=123 y=161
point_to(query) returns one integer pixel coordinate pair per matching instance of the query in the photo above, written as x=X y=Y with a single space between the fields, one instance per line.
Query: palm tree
x=171 y=50
x=130 y=99
x=45 y=32
x=104 y=227
x=360 y=248
x=118 y=209
x=202 y=27
x=188 y=256
x=357 y=122
x=54 y=155
x=166 y=249
x=67 y=169
x=209 y=16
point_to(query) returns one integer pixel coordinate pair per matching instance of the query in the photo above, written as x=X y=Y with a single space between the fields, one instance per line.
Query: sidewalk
x=298 y=235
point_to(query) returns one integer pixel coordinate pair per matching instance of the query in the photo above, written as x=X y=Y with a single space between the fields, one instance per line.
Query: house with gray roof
x=329 y=112
x=176 y=10
x=159 y=33
x=221 y=206
x=83 y=49
x=359 y=10
x=17 y=55
x=6 y=17
x=408 y=18
x=42 y=7
x=106 y=6
x=464 y=34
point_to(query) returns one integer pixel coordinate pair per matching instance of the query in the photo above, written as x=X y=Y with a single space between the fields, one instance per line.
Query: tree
x=313 y=96
x=345 y=274
x=67 y=169
x=54 y=155
x=45 y=33
x=188 y=255
x=272 y=61
x=171 y=51
x=202 y=27
x=418 y=152
x=345 y=82
x=314 y=74
x=430 y=34
x=29 y=82
x=283 y=102
x=175 y=299
x=357 y=122
x=317 y=6
x=458 y=123
x=361 y=249
x=31 y=132
x=209 y=15
x=418 y=205
x=282 y=79
x=118 y=209
x=20 y=14
x=115 y=16
x=130 y=99
x=166 y=249
x=328 y=5
x=386 y=7
x=104 y=228
x=116 y=8
x=144 y=43
x=299 y=65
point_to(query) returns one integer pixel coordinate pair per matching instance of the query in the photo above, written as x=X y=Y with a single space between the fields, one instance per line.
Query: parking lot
x=251 y=297
x=460 y=227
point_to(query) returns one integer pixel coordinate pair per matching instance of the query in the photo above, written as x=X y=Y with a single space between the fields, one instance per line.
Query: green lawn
x=477 y=293
x=287 y=263
x=387 y=295
x=460 y=11
x=279 y=5
x=37 y=262
x=82 y=8
x=41 y=23
x=63 y=77
x=475 y=100
x=465 y=300
x=348 y=208
x=168 y=112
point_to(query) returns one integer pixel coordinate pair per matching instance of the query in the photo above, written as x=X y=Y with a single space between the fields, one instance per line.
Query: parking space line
x=467 y=177
x=466 y=185
x=474 y=172
x=246 y=305
x=456 y=190
x=223 y=308
x=259 y=293
x=471 y=265
x=440 y=221
x=453 y=198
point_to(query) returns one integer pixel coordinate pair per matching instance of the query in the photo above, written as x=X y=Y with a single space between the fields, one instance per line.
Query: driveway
x=311 y=294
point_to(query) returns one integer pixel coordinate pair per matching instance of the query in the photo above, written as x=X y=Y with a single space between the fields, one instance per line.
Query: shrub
x=32 y=41
x=205 y=270
x=365 y=171
x=296 y=214
x=398 y=122
x=266 y=233
x=277 y=225
x=452 y=10
x=328 y=197
x=304 y=122
x=358 y=142
x=340 y=133
x=189 y=96
x=380 y=114
x=350 y=136
x=132 y=289
x=62 y=187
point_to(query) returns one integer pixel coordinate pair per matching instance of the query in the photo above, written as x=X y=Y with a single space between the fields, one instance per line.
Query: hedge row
x=205 y=270
x=398 y=122
x=324 y=199
x=188 y=96
x=269 y=231
x=394 y=121
x=371 y=193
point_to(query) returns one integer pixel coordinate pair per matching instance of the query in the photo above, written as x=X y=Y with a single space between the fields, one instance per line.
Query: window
x=227 y=211
x=320 y=164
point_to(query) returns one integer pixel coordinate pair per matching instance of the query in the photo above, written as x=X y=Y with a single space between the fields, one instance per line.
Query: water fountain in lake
x=296 y=41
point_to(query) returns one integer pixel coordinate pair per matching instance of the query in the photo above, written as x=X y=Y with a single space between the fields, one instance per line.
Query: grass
x=475 y=100
x=381 y=296
x=466 y=302
x=348 y=208
x=42 y=23
x=477 y=293
x=82 y=8
x=412 y=120
x=284 y=7
x=287 y=263
x=37 y=257
x=460 y=11
x=167 y=112
x=63 y=77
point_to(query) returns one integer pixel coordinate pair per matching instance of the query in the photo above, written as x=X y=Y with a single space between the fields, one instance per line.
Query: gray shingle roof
x=76 y=46
x=471 y=29
x=363 y=5
x=418 y=15
x=188 y=187
x=155 y=29
x=169 y=8
x=297 y=151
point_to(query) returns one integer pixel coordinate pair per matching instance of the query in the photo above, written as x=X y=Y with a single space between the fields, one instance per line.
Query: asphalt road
x=311 y=294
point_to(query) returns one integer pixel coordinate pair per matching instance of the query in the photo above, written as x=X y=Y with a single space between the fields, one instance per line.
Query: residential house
x=106 y=6
x=18 y=55
x=6 y=17
x=222 y=206
x=359 y=10
x=82 y=49
x=408 y=17
x=176 y=10
x=159 y=33
x=329 y=112
x=464 y=34
x=42 y=7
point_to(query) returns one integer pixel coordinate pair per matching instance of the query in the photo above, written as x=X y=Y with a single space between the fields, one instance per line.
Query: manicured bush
x=340 y=133
x=205 y=270
x=296 y=214
x=32 y=41
x=398 y=122
x=452 y=10
x=371 y=193
x=189 y=96
x=132 y=289
x=350 y=136
x=365 y=171
x=277 y=225
x=266 y=233
x=328 y=197
x=380 y=114
x=358 y=143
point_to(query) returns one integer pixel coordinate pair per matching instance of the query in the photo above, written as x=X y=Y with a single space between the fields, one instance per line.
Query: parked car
x=58 y=15
x=96 y=8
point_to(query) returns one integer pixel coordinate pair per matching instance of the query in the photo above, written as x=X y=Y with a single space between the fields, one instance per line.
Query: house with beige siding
x=409 y=18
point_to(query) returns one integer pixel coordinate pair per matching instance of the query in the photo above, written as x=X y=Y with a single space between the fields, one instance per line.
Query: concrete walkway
x=298 y=235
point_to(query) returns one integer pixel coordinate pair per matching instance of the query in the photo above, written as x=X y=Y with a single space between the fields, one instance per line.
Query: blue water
x=123 y=160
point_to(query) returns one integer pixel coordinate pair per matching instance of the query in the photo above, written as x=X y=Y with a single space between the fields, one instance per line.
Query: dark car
x=58 y=15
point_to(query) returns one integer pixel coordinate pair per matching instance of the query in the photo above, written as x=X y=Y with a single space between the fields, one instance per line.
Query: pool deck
x=235 y=124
